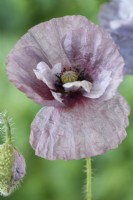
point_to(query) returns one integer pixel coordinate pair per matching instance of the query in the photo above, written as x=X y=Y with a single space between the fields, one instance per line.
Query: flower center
x=69 y=76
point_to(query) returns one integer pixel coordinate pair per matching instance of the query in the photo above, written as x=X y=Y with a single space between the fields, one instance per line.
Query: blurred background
x=58 y=180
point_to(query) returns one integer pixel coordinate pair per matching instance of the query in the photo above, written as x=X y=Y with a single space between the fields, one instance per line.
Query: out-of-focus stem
x=7 y=127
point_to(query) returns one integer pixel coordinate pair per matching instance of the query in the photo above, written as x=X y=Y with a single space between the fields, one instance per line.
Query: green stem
x=88 y=182
x=6 y=127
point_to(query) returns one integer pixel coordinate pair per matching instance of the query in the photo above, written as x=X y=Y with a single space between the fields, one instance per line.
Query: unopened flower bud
x=12 y=163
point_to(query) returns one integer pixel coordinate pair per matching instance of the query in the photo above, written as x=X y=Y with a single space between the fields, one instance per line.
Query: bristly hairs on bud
x=6 y=127
x=8 y=169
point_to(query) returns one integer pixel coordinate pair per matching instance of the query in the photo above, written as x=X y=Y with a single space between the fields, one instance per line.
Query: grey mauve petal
x=44 y=73
x=116 y=11
x=88 y=129
x=19 y=166
x=122 y=28
x=20 y=65
x=93 y=49
x=83 y=86
x=58 y=97
x=119 y=22
x=126 y=49
x=47 y=37
x=42 y=43
x=48 y=75
x=71 y=40
x=108 y=13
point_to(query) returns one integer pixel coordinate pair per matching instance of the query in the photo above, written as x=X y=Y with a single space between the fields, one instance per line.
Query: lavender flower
x=73 y=68
x=117 y=17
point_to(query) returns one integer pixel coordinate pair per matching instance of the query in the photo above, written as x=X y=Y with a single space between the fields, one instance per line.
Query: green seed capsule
x=69 y=76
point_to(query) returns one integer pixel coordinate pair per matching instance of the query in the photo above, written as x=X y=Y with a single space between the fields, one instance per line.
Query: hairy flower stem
x=88 y=176
x=6 y=127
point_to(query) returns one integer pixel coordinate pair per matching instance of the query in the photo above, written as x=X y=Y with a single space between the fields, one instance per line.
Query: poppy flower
x=73 y=68
x=117 y=17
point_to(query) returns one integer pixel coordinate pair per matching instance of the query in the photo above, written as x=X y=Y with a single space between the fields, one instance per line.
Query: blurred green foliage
x=17 y=16
x=58 y=180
